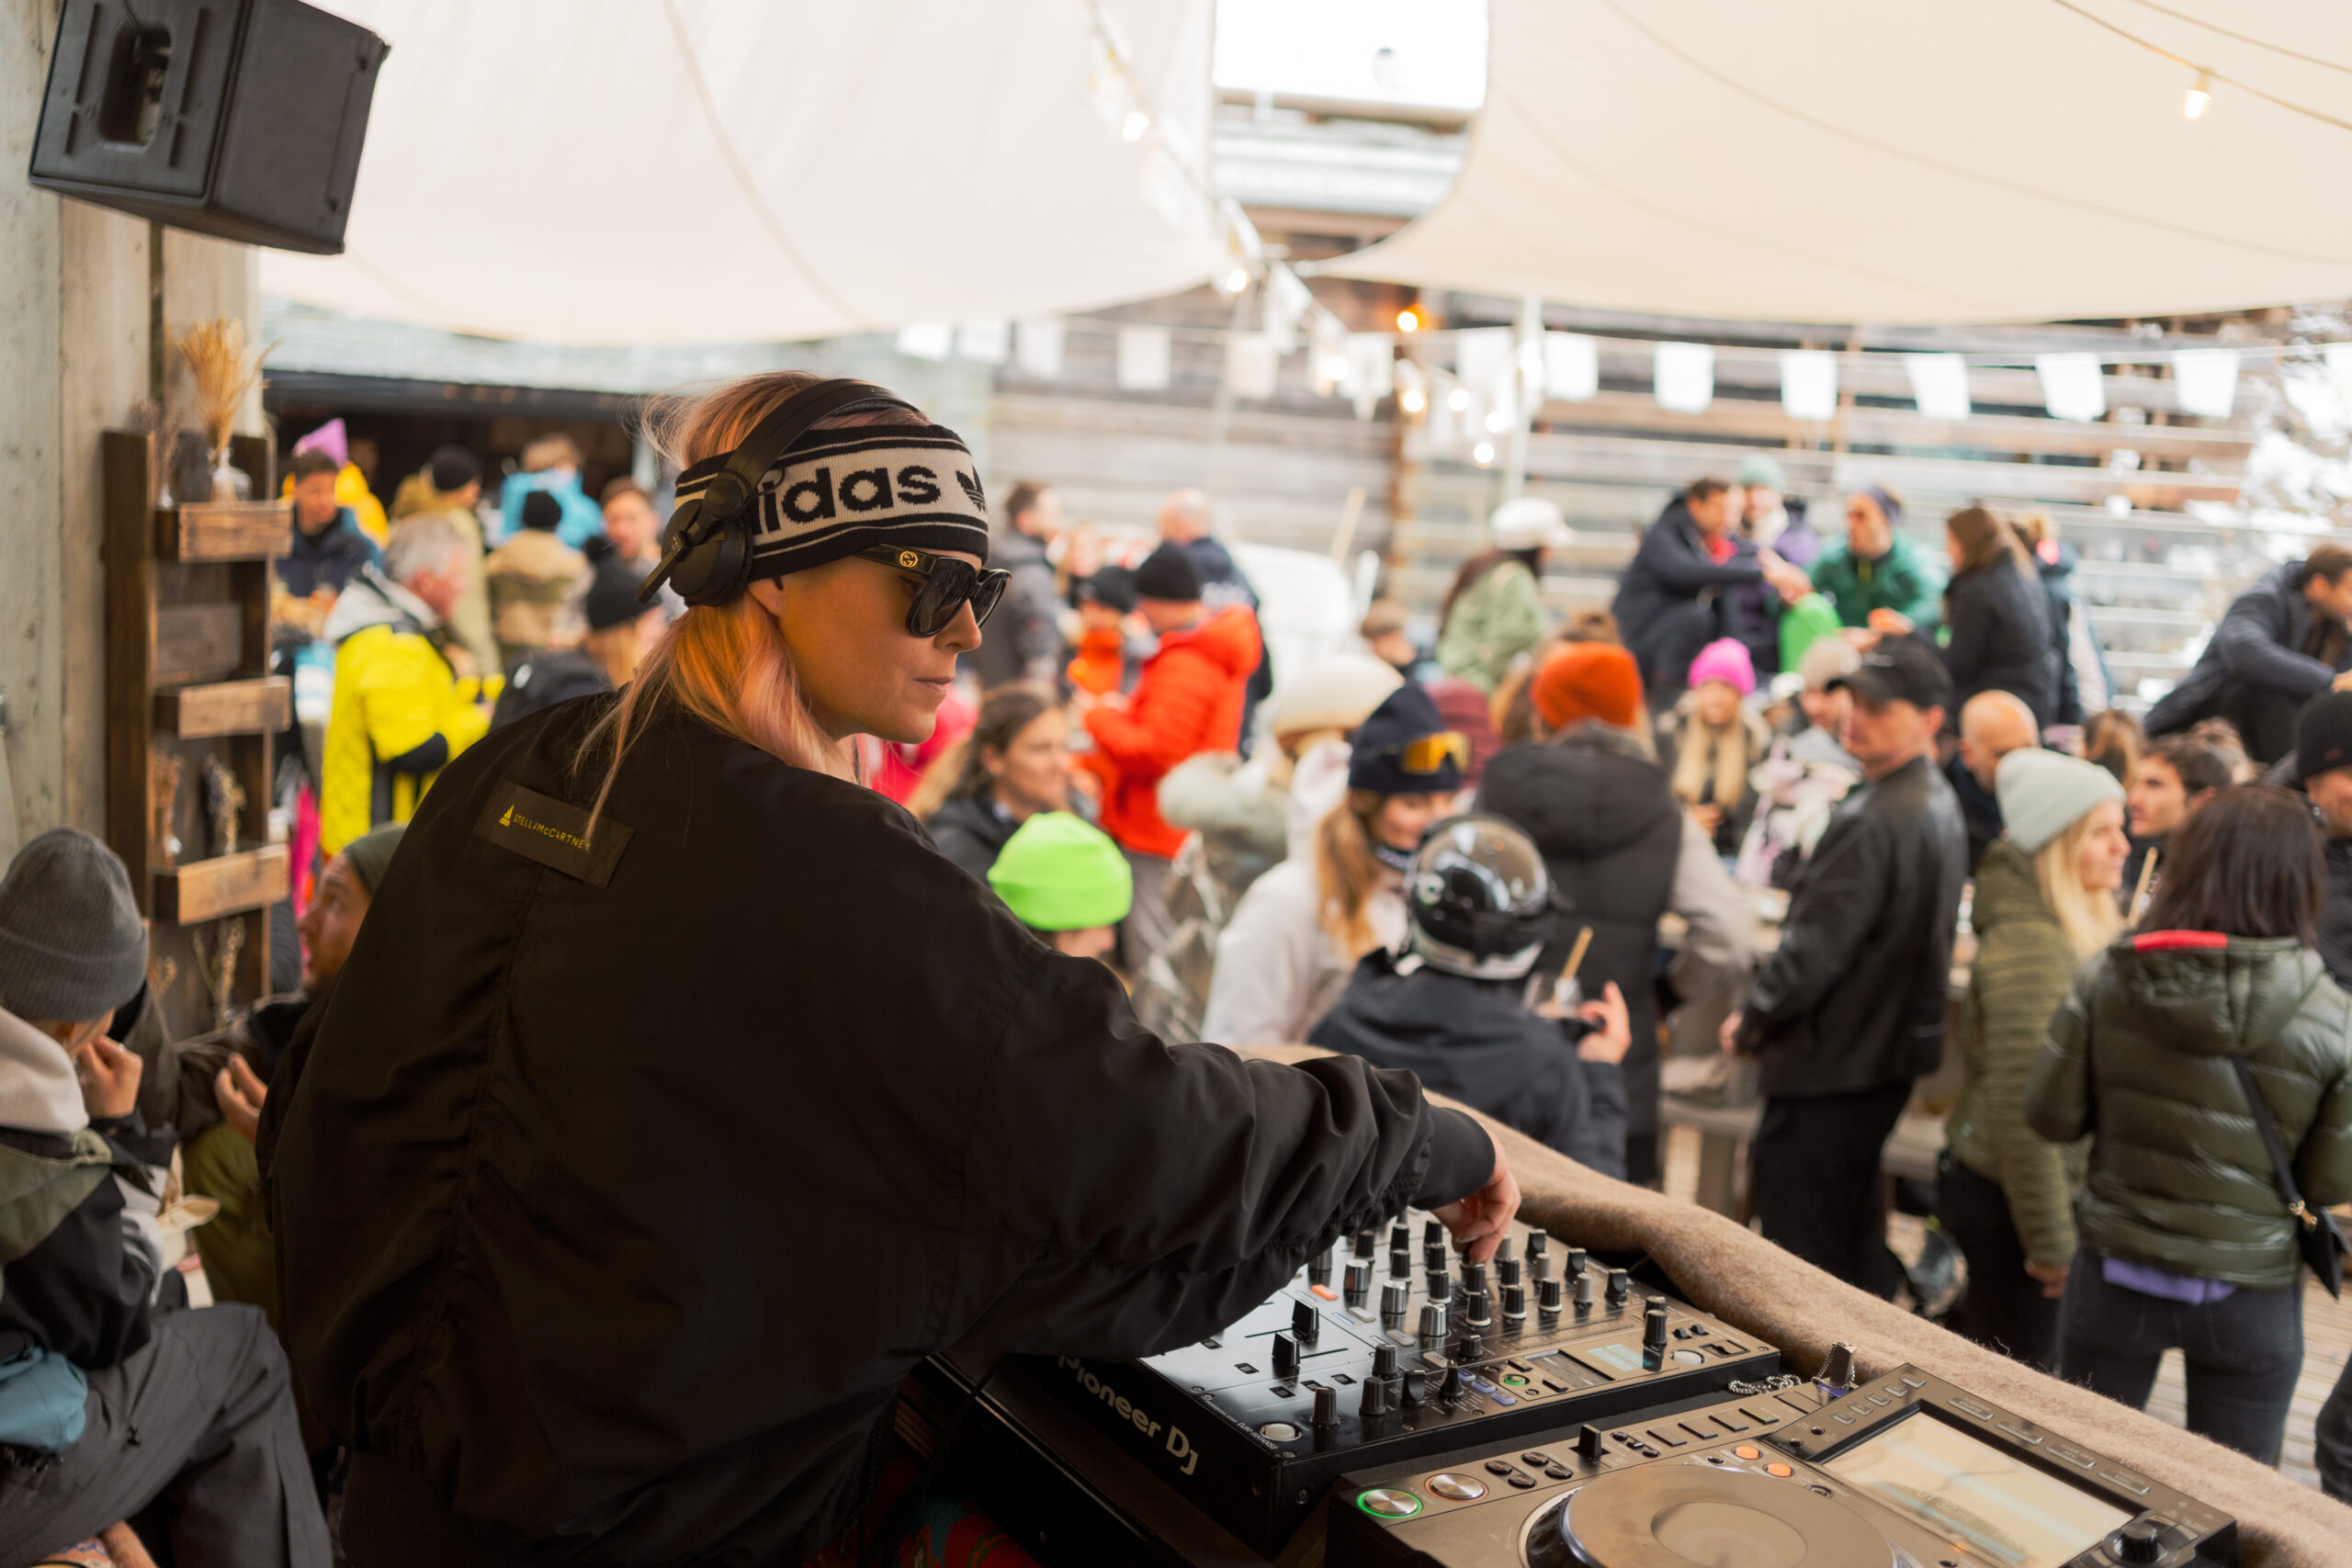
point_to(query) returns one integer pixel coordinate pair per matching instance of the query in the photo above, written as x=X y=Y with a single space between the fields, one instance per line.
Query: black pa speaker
x=239 y=118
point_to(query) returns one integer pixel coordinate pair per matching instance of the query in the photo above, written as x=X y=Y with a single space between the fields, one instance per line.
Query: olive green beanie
x=1056 y=874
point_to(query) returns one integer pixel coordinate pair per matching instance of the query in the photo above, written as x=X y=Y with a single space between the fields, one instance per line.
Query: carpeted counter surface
x=1747 y=1282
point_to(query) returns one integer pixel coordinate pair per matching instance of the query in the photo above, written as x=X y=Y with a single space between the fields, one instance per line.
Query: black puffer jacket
x=971 y=831
x=2334 y=913
x=1472 y=1039
x=1856 y=996
x=647 y=1247
x=1999 y=624
x=1612 y=836
x=1665 y=599
x=2140 y=1058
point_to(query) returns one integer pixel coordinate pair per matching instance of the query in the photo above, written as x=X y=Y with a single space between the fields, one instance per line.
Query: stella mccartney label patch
x=554 y=833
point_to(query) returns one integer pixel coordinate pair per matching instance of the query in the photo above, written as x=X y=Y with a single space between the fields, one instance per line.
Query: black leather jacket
x=1857 y=995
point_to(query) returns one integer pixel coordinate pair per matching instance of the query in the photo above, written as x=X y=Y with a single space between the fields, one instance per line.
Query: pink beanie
x=1724 y=659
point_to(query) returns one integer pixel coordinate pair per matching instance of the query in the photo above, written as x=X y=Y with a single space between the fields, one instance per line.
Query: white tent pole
x=1530 y=330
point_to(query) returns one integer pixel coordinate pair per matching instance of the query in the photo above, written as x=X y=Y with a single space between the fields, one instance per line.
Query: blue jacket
x=582 y=518
x=328 y=560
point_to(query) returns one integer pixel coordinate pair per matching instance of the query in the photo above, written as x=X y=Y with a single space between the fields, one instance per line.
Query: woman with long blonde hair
x=2045 y=901
x=656 y=1004
x=1302 y=928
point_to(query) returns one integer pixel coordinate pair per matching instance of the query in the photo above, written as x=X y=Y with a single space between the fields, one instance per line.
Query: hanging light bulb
x=1132 y=127
x=2200 y=94
x=1412 y=399
x=1495 y=421
x=1483 y=453
x=1409 y=320
x=1458 y=399
x=1237 y=280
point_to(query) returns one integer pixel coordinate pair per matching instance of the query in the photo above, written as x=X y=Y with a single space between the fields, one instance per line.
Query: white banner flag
x=927 y=340
x=1571 y=366
x=986 y=341
x=1143 y=360
x=1938 y=385
x=1808 y=383
x=1250 y=364
x=2071 y=386
x=1038 y=346
x=1286 y=303
x=1685 y=377
x=2205 y=380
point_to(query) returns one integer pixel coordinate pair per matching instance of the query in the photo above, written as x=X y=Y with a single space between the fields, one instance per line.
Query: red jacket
x=1188 y=700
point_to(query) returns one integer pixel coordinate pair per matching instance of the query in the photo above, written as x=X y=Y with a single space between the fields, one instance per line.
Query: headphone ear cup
x=714 y=571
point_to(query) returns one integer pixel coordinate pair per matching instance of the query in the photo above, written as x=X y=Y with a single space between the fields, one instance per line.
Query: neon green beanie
x=1055 y=873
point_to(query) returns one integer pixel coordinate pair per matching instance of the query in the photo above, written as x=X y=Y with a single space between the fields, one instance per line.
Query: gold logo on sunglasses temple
x=911 y=561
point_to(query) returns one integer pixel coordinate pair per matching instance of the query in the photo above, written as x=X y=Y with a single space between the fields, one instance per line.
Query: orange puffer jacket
x=1187 y=700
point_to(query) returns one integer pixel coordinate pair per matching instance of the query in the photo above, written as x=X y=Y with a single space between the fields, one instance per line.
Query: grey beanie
x=2043 y=794
x=72 y=945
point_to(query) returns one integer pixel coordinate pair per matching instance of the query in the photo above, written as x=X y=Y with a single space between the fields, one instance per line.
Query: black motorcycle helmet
x=1478 y=900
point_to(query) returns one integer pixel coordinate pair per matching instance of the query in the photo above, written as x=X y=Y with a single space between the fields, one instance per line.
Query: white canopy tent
x=1863 y=160
x=645 y=171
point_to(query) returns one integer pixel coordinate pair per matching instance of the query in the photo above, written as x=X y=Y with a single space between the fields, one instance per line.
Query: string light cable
x=2248 y=38
x=2206 y=73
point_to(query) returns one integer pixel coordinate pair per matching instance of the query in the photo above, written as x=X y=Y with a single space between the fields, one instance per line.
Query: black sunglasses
x=947 y=585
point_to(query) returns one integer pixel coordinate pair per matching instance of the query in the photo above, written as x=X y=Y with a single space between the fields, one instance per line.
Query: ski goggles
x=948 y=585
x=1427 y=753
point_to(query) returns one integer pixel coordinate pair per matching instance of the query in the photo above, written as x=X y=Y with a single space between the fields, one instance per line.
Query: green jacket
x=1498 y=619
x=2023 y=965
x=1898 y=581
x=2139 y=1058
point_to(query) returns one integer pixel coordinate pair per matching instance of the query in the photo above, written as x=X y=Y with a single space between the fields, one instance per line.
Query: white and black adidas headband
x=840 y=492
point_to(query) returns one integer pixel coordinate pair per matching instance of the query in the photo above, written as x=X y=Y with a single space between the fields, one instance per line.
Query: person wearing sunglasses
x=1301 y=928
x=663 y=1026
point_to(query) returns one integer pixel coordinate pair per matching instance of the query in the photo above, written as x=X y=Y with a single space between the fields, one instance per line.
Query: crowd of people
x=1767 y=791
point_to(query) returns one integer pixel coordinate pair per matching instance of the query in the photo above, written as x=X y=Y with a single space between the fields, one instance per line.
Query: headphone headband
x=714 y=557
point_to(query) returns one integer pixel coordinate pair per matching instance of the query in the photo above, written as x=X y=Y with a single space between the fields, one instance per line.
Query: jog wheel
x=1677 y=1517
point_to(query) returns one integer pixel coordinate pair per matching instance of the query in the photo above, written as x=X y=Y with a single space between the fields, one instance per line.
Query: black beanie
x=452 y=468
x=612 y=586
x=1168 y=573
x=2324 y=735
x=543 y=511
x=1377 y=760
x=1114 y=587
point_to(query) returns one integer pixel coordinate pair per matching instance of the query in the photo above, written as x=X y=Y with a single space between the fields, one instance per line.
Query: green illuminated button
x=1388 y=1503
x=1515 y=1380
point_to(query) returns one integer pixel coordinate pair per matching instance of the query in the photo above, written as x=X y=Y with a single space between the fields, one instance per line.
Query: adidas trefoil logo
x=972 y=488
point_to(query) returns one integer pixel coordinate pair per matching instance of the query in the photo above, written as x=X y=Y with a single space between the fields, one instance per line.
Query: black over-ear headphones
x=707 y=548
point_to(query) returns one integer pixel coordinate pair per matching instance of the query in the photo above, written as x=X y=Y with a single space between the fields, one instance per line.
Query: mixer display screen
x=2001 y=1508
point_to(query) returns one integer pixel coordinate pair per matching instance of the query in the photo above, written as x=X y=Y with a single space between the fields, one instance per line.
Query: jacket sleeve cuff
x=1461 y=1159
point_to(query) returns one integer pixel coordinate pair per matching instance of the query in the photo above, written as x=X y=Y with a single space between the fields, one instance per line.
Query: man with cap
x=1875 y=570
x=1850 y=1009
x=535 y=583
x=224 y=1079
x=1621 y=854
x=1102 y=664
x=1666 y=596
x=1064 y=879
x=1188 y=699
x=1187 y=519
x=1494 y=613
x=109 y=1408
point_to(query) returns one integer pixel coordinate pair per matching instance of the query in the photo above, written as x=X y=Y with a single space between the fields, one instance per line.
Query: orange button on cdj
x=1776 y=1468
x=1326 y=1291
x=1747 y=1450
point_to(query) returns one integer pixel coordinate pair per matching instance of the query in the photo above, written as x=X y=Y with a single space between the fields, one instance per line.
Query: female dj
x=678 y=1098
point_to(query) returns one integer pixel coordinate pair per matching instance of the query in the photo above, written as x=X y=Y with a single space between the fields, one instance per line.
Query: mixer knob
x=1305 y=1323
x=1591 y=1442
x=1327 y=1408
x=1416 y=1387
x=1507 y=1270
x=1474 y=1311
x=1376 y=1398
x=2141 y=1540
x=1547 y=1296
x=1620 y=1286
x=1506 y=1248
x=1384 y=1362
x=1432 y=1323
x=1440 y=1287
x=1474 y=1278
x=1451 y=1389
x=1318 y=1269
x=1392 y=1306
x=1584 y=1295
x=1433 y=1234
x=1575 y=1261
x=1357 y=1284
x=1363 y=1243
x=1539 y=1244
x=1400 y=1237
x=1433 y=1258
x=1515 y=1301
x=1285 y=1357
x=1400 y=1263
x=1654 y=1324
x=1470 y=1350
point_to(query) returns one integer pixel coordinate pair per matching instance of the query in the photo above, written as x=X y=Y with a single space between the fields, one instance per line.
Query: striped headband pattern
x=840 y=492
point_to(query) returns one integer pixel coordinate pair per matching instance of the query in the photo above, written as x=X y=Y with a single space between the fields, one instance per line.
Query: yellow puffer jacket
x=399 y=712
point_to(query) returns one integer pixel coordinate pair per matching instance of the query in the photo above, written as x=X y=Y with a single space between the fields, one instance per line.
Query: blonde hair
x=727 y=665
x=1347 y=872
x=1701 y=749
x=2089 y=919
